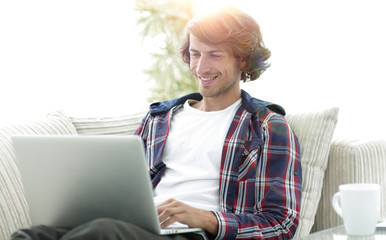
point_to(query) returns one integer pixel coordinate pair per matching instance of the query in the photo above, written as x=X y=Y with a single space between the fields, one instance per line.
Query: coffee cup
x=358 y=205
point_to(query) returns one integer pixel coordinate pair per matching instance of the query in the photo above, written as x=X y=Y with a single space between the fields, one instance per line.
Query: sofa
x=326 y=162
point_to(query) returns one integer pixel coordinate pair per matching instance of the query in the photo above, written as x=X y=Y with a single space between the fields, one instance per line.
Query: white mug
x=359 y=206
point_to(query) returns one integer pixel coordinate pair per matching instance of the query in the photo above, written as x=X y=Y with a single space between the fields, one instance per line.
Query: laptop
x=71 y=180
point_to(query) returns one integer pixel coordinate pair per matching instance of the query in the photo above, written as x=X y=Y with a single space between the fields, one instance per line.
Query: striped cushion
x=314 y=132
x=351 y=162
x=123 y=125
x=13 y=207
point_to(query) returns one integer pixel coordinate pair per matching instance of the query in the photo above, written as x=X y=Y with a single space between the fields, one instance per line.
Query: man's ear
x=243 y=62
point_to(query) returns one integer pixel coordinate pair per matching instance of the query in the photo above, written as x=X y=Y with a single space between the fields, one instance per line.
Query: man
x=219 y=159
x=228 y=162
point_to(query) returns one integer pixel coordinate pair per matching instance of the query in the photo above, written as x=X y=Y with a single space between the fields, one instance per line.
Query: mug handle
x=336 y=205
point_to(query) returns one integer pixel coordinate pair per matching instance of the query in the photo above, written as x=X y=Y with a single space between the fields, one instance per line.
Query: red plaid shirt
x=260 y=175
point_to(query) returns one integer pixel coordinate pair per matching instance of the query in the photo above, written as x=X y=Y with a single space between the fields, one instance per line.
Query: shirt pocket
x=247 y=167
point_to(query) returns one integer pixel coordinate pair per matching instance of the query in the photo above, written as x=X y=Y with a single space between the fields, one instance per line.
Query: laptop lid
x=70 y=180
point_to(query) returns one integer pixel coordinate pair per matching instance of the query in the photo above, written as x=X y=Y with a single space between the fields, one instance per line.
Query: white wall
x=326 y=53
x=83 y=56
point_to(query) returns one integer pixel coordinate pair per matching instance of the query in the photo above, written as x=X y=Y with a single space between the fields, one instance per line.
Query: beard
x=207 y=91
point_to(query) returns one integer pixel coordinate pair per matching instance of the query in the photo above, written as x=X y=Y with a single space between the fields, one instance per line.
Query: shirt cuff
x=227 y=225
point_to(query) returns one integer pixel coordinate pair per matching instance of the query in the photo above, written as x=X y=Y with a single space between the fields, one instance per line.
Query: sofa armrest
x=14 y=212
x=350 y=162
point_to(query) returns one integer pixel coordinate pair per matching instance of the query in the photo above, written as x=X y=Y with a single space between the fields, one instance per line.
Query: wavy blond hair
x=235 y=29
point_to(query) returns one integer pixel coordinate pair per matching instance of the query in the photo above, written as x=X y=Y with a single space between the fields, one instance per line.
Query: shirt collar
x=249 y=103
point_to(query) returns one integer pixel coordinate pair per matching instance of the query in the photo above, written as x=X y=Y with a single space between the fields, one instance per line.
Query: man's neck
x=209 y=104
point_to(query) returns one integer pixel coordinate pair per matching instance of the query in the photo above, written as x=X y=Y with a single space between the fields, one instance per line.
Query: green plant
x=163 y=21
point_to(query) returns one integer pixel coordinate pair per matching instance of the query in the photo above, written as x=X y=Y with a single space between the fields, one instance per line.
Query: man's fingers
x=172 y=211
x=168 y=221
x=166 y=204
x=169 y=211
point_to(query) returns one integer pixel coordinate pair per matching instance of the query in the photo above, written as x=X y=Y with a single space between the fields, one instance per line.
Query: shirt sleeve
x=274 y=190
x=142 y=129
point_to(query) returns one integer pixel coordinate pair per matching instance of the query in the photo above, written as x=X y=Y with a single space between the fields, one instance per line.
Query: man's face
x=215 y=68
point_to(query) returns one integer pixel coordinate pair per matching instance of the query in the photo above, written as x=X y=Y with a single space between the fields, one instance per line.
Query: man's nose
x=203 y=66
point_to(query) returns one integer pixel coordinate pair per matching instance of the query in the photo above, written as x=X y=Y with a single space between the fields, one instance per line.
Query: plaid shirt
x=260 y=175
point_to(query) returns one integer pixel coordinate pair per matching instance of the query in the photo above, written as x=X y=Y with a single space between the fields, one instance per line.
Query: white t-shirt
x=192 y=156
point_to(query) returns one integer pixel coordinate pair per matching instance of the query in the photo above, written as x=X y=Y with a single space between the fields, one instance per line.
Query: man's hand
x=175 y=211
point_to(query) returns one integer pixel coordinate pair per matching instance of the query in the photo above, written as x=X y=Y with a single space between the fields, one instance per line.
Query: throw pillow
x=122 y=125
x=314 y=132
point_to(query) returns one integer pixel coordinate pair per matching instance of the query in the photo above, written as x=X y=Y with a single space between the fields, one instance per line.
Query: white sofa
x=326 y=163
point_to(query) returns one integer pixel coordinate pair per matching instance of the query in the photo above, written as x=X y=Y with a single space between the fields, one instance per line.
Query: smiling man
x=219 y=159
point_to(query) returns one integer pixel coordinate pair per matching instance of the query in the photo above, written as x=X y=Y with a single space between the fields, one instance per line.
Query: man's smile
x=206 y=80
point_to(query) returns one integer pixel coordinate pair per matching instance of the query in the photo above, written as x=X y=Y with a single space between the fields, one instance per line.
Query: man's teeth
x=207 y=79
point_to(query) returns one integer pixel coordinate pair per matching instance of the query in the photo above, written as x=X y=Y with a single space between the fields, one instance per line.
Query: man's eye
x=194 y=55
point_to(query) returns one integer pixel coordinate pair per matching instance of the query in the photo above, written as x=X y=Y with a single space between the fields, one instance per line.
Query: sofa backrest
x=346 y=162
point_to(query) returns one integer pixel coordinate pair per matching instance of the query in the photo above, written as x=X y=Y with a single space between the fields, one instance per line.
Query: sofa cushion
x=314 y=132
x=122 y=125
x=14 y=212
x=351 y=161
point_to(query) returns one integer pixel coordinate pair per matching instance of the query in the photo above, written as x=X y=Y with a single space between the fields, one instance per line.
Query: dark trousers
x=96 y=230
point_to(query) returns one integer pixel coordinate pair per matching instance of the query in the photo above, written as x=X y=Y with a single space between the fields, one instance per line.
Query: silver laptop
x=70 y=180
